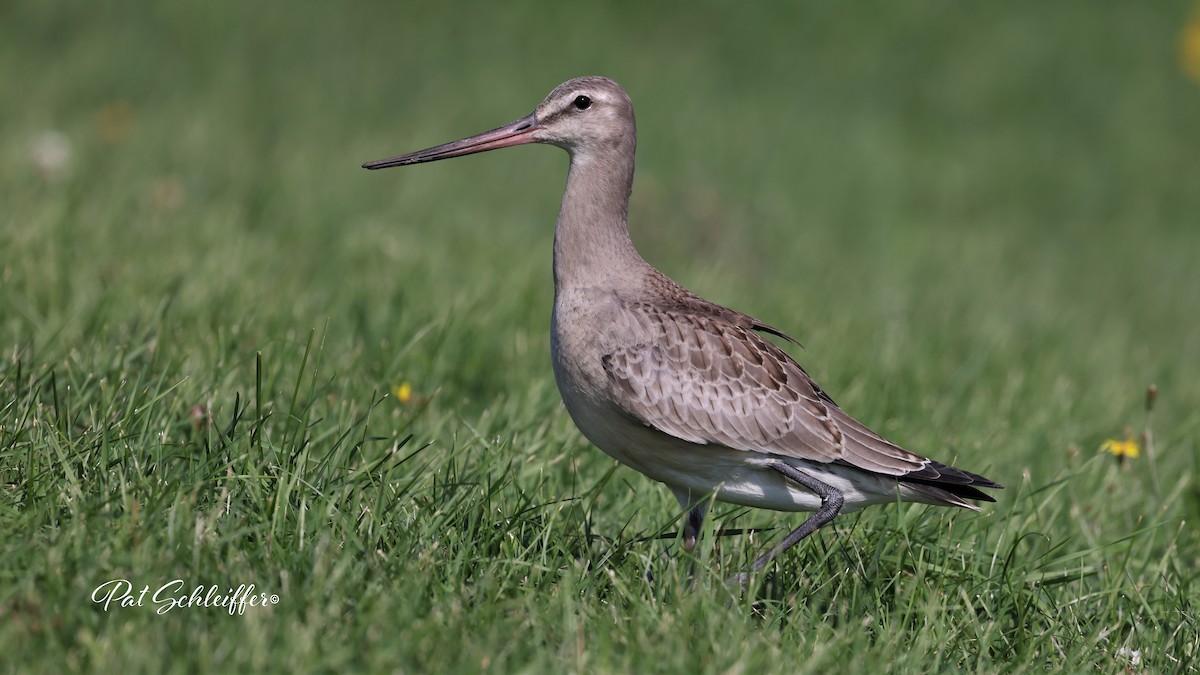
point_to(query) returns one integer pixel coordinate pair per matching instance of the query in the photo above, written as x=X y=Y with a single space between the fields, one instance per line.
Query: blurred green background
x=983 y=221
x=794 y=161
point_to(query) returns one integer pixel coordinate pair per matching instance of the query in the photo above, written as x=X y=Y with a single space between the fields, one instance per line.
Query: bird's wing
x=707 y=380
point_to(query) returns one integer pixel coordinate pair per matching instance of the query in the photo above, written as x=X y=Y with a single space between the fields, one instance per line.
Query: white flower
x=51 y=153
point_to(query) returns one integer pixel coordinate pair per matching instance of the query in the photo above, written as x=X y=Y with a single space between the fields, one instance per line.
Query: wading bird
x=681 y=389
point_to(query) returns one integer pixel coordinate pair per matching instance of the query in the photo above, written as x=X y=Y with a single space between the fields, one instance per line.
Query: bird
x=690 y=393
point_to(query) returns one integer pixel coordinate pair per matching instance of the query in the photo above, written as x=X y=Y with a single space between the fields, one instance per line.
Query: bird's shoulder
x=674 y=299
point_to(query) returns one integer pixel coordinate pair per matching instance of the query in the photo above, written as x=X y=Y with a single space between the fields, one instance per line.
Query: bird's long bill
x=516 y=133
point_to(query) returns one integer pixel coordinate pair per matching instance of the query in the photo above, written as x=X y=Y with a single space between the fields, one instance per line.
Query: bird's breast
x=581 y=333
x=584 y=328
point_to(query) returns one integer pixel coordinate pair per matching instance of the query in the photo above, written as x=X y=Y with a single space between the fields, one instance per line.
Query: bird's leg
x=831 y=504
x=695 y=510
x=691 y=532
x=691 y=526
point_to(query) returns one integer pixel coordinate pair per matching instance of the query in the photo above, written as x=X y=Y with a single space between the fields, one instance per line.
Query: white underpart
x=694 y=472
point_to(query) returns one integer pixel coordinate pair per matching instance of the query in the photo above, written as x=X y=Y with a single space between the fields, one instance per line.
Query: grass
x=981 y=220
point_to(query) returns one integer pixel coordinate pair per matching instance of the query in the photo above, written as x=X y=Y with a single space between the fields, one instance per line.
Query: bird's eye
x=582 y=102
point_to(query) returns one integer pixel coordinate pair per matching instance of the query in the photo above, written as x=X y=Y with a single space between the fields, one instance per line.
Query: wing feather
x=707 y=380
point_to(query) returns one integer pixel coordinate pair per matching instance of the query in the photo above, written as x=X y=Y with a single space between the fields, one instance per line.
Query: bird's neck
x=591 y=242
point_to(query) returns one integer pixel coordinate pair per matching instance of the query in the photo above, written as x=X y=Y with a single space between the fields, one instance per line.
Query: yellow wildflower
x=1189 y=47
x=402 y=392
x=1122 y=449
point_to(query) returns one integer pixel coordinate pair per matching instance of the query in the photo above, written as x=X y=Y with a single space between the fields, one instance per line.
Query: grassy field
x=230 y=356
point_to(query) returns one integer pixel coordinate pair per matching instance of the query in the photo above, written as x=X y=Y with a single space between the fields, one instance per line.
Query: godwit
x=681 y=389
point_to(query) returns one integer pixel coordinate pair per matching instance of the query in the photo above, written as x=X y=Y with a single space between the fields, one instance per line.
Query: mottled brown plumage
x=681 y=389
